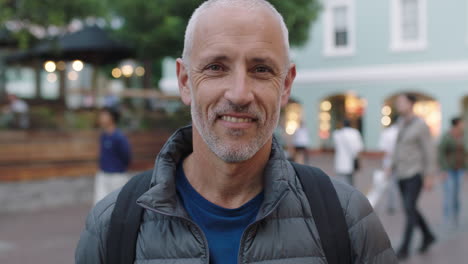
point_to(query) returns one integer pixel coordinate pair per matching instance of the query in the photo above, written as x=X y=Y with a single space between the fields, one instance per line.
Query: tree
x=30 y=19
x=156 y=28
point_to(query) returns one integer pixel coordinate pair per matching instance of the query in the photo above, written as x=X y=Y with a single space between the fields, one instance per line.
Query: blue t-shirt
x=114 y=153
x=222 y=227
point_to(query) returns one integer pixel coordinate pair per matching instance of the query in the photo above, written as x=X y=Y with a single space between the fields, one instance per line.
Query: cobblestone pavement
x=49 y=236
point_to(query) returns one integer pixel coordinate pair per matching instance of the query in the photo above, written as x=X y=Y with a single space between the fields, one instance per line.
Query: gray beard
x=236 y=153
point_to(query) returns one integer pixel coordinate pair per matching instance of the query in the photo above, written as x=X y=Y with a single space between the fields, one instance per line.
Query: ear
x=182 y=79
x=291 y=75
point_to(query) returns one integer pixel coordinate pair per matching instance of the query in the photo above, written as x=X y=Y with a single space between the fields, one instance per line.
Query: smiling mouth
x=233 y=119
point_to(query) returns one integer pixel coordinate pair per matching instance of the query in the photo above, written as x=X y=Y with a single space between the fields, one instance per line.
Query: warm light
x=77 y=65
x=293 y=115
x=52 y=77
x=386 y=110
x=354 y=105
x=61 y=65
x=73 y=76
x=325 y=126
x=325 y=116
x=116 y=73
x=386 y=120
x=430 y=112
x=49 y=66
x=325 y=106
x=140 y=71
x=291 y=127
x=324 y=134
x=127 y=70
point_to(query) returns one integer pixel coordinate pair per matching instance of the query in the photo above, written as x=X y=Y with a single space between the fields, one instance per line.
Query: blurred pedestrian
x=16 y=113
x=348 y=144
x=452 y=162
x=413 y=164
x=301 y=143
x=387 y=143
x=114 y=155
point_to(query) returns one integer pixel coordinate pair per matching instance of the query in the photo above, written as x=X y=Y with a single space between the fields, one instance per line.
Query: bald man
x=221 y=190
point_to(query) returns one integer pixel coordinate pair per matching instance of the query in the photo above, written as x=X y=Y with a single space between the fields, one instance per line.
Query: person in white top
x=301 y=142
x=348 y=145
x=17 y=110
x=387 y=142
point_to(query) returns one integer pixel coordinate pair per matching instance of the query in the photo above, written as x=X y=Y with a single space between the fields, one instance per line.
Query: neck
x=110 y=129
x=456 y=132
x=229 y=185
x=408 y=116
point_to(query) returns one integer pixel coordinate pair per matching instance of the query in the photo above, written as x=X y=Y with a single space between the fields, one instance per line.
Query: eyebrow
x=262 y=60
x=268 y=61
x=215 y=58
x=222 y=57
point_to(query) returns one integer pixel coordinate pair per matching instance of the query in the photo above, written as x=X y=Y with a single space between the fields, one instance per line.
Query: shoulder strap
x=327 y=212
x=125 y=221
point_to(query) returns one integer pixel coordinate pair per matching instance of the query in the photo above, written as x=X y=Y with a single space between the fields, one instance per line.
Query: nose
x=240 y=90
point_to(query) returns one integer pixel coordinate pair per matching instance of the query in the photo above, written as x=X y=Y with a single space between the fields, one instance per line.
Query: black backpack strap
x=327 y=212
x=125 y=221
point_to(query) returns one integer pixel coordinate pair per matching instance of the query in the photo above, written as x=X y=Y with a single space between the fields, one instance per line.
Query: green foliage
x=298 y=16
x=156 y=28
x=45 y=13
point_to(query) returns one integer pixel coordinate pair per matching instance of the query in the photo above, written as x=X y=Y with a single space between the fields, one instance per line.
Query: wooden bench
x=28 y=156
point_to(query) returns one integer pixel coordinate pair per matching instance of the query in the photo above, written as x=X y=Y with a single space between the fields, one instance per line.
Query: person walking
x=348 y=144
x=221 y=190
x=414 y=164
x=114 y=155
x=452 y=157
x=301 y=143
x=16 y=113
x=387 y=142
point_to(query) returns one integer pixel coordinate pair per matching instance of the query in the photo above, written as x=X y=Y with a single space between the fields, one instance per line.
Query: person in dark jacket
x=452 y=157
x=114 y=155
x=222 y=190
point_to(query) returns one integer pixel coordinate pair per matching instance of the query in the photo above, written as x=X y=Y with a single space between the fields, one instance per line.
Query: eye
x=262 y=69
x=214 y=67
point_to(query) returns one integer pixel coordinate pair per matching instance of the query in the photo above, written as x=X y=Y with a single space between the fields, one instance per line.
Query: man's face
x=11 y=98
x=105 y=119
x=403 y=105
x=238 y=79
x=460 y=126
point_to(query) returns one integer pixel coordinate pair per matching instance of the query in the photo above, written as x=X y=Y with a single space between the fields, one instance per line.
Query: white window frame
x=397 y=43
x=466 y=20
x=329 y=48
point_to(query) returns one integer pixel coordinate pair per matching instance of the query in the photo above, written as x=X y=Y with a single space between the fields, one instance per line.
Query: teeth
x=236 y=119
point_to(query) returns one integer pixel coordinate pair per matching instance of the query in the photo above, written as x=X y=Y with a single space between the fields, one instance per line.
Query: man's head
x=405 y=103
x=457 y=124
x=235 y=74
x=11 y=98
x=346 y=123
x=108 y=118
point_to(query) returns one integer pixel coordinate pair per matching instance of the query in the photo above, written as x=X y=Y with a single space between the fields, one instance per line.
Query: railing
x=26 y=155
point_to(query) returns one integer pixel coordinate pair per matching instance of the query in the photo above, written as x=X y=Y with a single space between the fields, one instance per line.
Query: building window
x=339 y=27
x=408 y=22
